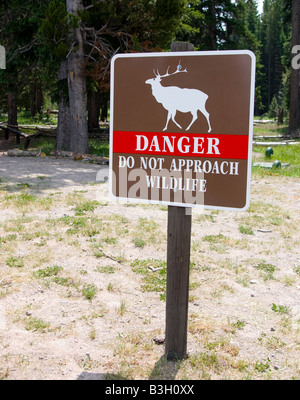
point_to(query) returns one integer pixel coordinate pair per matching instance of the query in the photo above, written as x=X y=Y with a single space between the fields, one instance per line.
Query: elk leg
x=206 y=115
x=173 y=119
x=194 y=114
x=168 y=119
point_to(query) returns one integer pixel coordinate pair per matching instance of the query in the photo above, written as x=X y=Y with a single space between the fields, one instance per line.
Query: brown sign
x=181 y=128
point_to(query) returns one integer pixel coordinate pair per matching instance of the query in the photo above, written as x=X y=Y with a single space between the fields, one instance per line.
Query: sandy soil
x=240 y=311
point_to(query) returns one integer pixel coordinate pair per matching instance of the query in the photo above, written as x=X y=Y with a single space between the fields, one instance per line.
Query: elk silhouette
x=175 y=99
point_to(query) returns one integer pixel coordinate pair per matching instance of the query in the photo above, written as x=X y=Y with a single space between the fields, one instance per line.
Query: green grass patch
x=280 y=309
x=153 y=281
x=267 y=270
x=37 y=324
x=82 y=225
x=15 y=262
x=89 y=291
x=26 y=200
x=285 y=154
x=246 y=230
x=106 y=269
x=99 y=148
x=49 y=271
x=86 y=206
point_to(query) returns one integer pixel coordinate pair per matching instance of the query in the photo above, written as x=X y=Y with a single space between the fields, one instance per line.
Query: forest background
x=58 y=53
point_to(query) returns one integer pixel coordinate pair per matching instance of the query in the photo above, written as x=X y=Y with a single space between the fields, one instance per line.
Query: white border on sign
x=251 y=118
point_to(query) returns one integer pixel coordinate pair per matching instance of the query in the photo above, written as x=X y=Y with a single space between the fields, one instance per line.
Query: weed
x=205 y=360
x=86 y=206
x=106 y=269
x=97 y=251
x=49 y=271
x=247 y=230
x=139 y=242
x=267 y=269
x=262 y=366
x=122 y=309
x=238 y=324
x=214 y=238
x=37 y=324
x=280 y=309
x=297 y=269
x=61 y=281
x=153 y=281
x=89 y=291
x=110 y=240
x=15 y=262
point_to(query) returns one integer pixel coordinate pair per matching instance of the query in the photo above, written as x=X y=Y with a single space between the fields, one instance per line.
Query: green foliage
x=274 y=34
x=219 y=24
x=89 y=291
x=273 y=108
x=37 y=36
x=15 y=262
x=56 y=29
x=280 y=309
x=48 y=271
x=154 y=281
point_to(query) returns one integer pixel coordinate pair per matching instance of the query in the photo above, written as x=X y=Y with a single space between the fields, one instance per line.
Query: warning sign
x=181 y=128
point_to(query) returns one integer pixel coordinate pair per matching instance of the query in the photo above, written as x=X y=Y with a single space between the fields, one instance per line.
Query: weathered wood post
x=178 y=264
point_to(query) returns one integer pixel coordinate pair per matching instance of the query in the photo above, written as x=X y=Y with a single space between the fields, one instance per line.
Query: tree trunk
x=93 y=109
x=63 y=129
x=104 y=99
x=294 y=122
x=36 y=98
x=77 y=88
x=12 y=108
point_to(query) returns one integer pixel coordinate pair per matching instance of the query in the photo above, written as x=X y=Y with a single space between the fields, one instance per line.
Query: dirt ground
x=244 y=309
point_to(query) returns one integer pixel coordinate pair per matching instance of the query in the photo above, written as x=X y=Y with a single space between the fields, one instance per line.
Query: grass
x=280 y=309
x=15 y=262
x=267 y=269
x=86 y=206
x=153 y=281
x=25 y=118
x=89 y=291
x=27 y=201
x=37 y=325
x=247 y=230
x=285 y=154
x=49 y=271
x=99 y=148
x=221 y=243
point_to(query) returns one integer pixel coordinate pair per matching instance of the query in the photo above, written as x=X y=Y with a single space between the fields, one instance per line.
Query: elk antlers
x=173 y=73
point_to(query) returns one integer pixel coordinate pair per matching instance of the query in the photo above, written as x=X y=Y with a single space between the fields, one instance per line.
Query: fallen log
x=286 y=143
x=89 y=158
x=268 y=164
x=8 y=128
x=21 y=153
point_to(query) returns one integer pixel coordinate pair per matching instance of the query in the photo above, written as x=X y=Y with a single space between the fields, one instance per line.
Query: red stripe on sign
x=181 y=144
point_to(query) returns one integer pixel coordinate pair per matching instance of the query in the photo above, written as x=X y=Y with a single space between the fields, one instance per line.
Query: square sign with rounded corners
x=181 y=128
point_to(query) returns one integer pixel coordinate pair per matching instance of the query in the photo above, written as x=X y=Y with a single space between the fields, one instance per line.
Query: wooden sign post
x=178 y=266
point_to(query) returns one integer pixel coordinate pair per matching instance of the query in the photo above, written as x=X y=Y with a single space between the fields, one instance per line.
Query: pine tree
x=273 y=34
x=19 y=22
x=216 y=25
